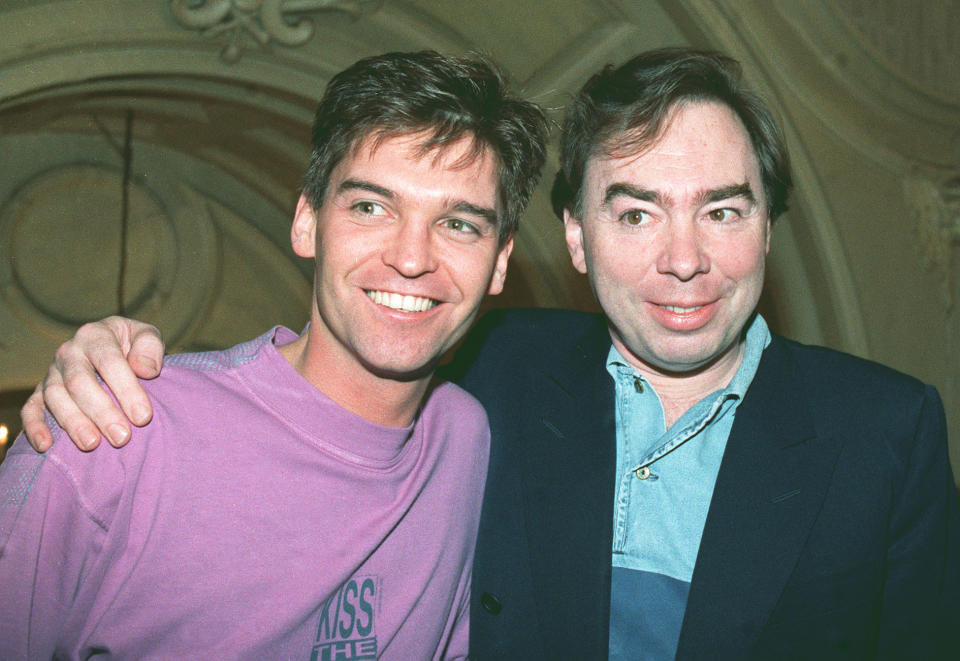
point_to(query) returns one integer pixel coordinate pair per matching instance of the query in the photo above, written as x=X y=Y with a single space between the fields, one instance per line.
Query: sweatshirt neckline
x=354 y=438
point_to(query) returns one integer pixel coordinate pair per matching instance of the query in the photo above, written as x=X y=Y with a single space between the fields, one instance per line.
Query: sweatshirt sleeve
x=460 y=632
x=48 y=540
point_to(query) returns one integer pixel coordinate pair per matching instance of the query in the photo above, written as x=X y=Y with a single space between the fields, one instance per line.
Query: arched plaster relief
x=43 y=48
x=59 y=264
x=894 y=30
x=903 y=126
x=79 y=183
x=920 y=140
x=871 y=72
x=258 y=161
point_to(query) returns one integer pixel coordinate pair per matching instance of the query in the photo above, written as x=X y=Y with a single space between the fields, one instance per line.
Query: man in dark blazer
x=832 y=533
x=832 y=528
x=671 y=479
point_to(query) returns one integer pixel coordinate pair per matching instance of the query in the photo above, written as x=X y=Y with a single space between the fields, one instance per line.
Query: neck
x=679 y=391
x=378 y=399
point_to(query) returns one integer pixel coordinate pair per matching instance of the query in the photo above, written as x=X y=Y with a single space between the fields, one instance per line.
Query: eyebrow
x=614 y=191
x=359 y=184
x=726 y=192
x=617 y=190
x=488 y=214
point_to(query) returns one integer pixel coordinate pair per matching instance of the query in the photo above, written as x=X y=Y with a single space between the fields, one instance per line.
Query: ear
x=500 y=268
x=574 y=233
x=769 y=232
x=303 y=231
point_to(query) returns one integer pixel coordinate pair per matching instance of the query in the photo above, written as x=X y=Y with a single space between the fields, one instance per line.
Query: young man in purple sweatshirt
x=303 y=496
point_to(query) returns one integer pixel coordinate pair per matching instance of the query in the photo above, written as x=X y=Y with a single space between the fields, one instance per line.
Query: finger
x=81 y=430
x=34 y=422
x=146 y=350
x=120 y=350
x=75 y=397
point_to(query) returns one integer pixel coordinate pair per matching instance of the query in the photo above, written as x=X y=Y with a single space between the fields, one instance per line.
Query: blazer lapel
x=772 y=480
x=569 y=463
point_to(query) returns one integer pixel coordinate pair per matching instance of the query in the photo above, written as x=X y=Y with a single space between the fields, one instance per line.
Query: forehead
x=463 y=153
x=701 y=146
x=407 y=164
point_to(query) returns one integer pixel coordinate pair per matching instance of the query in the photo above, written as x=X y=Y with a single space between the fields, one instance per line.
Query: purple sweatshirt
x=253 y=518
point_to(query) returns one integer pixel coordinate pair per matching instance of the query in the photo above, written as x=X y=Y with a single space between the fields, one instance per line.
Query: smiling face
x=406 y=248
x=674 y=242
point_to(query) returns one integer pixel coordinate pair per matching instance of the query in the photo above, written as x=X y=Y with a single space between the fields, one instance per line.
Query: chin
x=684 y=359
x=411 y=369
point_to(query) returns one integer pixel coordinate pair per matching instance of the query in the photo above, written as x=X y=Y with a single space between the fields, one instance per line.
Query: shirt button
x=643 y=473
x=490 y=603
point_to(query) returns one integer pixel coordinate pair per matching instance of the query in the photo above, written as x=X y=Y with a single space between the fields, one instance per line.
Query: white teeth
x=680 y=310
x=401 y=302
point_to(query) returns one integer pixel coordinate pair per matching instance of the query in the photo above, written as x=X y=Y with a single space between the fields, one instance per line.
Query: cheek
x=470 y=271
x=348 y=249
x=617 y=260
x=742 y=260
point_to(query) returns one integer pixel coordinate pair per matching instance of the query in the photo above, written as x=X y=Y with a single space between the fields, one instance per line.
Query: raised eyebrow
x=727 y=192
x=614 y=191
x=360 y=184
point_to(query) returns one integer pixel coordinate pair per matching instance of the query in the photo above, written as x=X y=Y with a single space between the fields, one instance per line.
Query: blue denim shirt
x=665 y=481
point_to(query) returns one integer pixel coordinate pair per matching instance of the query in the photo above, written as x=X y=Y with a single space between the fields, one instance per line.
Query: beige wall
x=219 y=118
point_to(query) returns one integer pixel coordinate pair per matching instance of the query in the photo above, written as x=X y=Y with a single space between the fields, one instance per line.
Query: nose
x=683 y=254
x=410 y=249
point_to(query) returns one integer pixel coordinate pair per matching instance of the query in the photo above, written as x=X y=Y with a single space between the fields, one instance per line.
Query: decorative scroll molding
x=283 y=21
x=936 y=203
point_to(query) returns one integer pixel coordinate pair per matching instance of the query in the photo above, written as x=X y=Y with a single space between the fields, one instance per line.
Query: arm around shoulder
x=116 y=349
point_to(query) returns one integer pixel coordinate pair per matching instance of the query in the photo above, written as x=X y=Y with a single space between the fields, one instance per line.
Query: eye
x=721 y=215
x=461 y=226
x=367 y=208
x=633 y=216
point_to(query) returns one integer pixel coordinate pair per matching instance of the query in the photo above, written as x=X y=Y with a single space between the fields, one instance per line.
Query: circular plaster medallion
x=65 y=229
x=61 y=234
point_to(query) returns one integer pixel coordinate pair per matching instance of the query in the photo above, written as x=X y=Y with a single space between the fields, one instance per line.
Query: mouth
x=401 y=302
x=677 y=309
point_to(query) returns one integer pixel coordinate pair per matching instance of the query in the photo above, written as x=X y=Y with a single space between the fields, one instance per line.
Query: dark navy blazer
x=833 y=531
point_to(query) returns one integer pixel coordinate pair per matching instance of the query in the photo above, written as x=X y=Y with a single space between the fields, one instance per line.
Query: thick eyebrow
x=646 y=195
x=616 y=190
x=727 y=192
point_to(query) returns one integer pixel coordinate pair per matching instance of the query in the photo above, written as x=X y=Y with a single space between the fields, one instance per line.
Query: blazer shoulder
x=535 y=326
x=522 y=337
x=856 y=392
x=830 y=369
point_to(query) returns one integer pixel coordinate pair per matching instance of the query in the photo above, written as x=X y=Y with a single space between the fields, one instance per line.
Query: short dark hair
x=621 y=110
x=448 y=98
